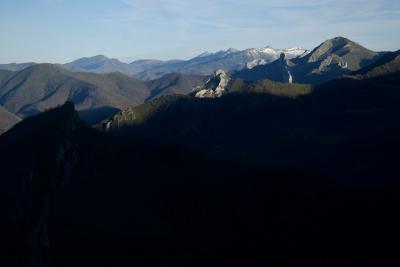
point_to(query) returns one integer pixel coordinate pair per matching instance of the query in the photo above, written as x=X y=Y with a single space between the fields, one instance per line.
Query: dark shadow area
x=248 y=179
x=93 y=116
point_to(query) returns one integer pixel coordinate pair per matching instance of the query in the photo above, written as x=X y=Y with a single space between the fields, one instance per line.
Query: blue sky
x=63 y=30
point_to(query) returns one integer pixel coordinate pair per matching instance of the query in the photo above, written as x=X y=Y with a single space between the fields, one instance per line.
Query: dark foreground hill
x=248 y=179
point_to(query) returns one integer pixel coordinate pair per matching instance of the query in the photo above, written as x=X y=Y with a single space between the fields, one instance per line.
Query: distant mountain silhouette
x=99 y=64
x=202 y=65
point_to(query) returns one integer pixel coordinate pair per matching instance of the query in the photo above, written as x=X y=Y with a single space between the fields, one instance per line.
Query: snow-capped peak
x=265 y=55
x=294 y=52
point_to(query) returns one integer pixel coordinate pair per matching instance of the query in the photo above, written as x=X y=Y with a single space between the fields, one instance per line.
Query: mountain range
x=96 y=96
x=204 y=64
x=230 y=60
x=172 y=112
x=333 y=58
x=98 y=92
x=43 y=86
x=261 y=171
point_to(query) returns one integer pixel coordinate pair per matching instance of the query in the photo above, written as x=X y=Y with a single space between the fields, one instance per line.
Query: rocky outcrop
x=215 y=86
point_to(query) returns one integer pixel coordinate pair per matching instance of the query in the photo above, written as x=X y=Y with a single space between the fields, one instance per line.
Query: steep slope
x=7 y=120
x=331 y=59
x=174 y=83
x=43 y=86
x=388 y=64
x=342 y=51
x=5 y=75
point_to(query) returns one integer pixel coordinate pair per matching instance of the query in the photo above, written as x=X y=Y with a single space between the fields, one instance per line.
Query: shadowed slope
x=7 y=120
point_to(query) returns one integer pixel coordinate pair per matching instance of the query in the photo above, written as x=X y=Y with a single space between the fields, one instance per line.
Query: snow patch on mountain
x=268 y=54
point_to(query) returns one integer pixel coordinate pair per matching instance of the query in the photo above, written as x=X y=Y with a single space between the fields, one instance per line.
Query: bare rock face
x=215 y=86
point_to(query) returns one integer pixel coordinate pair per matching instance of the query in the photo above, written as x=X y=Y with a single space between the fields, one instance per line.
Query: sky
x=59 y=31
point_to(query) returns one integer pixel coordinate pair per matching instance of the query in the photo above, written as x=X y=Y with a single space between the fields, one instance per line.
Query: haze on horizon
x=58 y=31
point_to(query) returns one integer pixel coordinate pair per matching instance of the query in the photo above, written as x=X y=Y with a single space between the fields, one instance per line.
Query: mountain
x=7 y=120
x=15 y=66
x=174 y=83
x=218 y=86
x=331 y=59
x=44 y=86
x=99 y=64
x=96 y=96
x=229 y=60
x=200 y=121
x=278 y=71
x=142 y=65
x=202 y=65
x=243 y=179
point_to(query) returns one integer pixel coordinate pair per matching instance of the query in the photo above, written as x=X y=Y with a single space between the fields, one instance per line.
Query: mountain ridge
x=240 y=180
x=149 y=69
x=43 y=86
x=331 y=59
x=96 y=96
